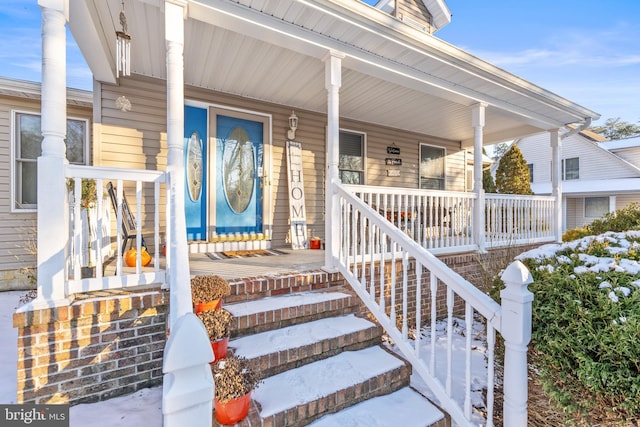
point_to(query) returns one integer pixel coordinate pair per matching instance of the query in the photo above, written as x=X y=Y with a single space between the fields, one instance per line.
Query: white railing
x=120 y=275
x=440 y=221
x=86 y=242
x=516 y=219
x=402 y=283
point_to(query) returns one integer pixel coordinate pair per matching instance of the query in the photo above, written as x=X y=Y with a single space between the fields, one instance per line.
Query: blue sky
x=585 y=50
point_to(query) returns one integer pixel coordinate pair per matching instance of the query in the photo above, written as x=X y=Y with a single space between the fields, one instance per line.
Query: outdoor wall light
x=293 y=126
x=123 y=47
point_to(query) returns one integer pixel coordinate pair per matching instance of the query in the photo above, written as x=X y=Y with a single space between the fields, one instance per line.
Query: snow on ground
x=145 y=406
x=9 y=301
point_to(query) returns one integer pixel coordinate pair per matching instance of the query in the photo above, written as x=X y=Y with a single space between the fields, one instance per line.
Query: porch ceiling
x=272 y=50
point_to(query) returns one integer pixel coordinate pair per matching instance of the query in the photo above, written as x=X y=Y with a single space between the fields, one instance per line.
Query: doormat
x=244 y=254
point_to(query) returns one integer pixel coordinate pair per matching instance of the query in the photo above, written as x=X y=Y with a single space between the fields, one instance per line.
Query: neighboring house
x=19 y=148
x=387 y=119
x=598 y=176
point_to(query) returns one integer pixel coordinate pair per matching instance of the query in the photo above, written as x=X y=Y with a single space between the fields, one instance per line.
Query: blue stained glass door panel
x=239 y=170
x=195 y=158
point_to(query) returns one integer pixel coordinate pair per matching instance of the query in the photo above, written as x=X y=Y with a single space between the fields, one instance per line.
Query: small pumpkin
x=131 y=256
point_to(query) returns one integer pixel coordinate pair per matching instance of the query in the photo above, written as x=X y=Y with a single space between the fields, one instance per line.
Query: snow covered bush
x=586 y=324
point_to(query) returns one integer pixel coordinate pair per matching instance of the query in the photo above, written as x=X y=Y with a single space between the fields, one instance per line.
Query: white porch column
x=178 y=255
x=556 y=181
x=477 y=121
x=52 y=217
x=333 y=81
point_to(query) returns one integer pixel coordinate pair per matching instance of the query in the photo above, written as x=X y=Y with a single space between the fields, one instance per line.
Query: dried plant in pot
x=218 y=325
x=207 y=292
x=234 y=380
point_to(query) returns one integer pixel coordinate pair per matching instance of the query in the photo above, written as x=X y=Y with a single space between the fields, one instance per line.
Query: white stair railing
x=404 y=286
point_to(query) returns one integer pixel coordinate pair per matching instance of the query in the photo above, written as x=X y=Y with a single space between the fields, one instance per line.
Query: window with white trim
x=351 y=163
x=432 y=175
x=571 y=168
x=530 y=167
x=595 y=207
x=27 y=147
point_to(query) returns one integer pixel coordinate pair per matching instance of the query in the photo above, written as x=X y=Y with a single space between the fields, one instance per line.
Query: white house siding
x=414 y=10
x=121 y=134
x=18 y=229
x=571 y=213
x=631 y=155
x=595 y=163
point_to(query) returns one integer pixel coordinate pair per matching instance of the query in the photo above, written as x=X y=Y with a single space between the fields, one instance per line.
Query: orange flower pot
x=232 y=411
x=220 y=348
x=315 y=243
x=207 y=305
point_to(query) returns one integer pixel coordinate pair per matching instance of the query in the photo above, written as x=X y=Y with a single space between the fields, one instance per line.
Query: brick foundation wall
x=103 y=345
x=111 y=343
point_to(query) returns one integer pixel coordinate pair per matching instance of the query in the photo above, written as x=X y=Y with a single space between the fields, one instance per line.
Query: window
x=530 y=166
x=595 y=207
x=351 y=163
x=28 y=147
x=431 y=167
x=571 y=168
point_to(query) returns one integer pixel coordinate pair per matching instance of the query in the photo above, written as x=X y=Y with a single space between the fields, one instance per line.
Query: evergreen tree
x=512 y=175
x=487 y=181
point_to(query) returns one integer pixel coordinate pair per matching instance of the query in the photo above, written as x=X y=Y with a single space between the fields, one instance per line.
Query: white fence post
x=187 y=389
x=516 y=330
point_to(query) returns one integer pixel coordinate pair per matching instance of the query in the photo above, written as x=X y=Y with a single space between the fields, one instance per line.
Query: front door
x=195 y=166
x=239 y=170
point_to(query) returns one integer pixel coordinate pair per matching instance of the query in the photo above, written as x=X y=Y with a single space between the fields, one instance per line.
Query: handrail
x=386 y=267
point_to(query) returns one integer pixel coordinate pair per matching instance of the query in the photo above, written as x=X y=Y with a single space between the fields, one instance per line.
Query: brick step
x=301 y=395
x=264 y=286
x=410 y=409
x=266 y=314
x=276 y=351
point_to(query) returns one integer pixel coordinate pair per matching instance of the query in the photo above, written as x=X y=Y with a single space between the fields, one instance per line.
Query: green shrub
x=624 y=219
x=586 y=324
x=576 y=233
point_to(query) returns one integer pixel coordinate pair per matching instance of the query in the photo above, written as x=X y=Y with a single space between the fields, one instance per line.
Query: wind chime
x=123 y=47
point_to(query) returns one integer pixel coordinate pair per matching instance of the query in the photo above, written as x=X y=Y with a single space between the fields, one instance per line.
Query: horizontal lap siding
x=135 y=139
x=124 y=132
x=416 y=11
x=17 y=229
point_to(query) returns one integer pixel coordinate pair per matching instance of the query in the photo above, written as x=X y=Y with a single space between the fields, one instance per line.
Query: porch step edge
x=275 y=351
x=275 y=312
x=301 y=395
x=410 y=409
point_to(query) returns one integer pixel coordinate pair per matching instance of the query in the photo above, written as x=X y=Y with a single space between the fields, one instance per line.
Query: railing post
x=556 y=182
x=333 y=81
x=516 y=330
x=477 y=119
x=187 y=395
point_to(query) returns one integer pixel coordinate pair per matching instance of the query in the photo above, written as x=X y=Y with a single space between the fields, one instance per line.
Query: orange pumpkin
x=130 y=257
